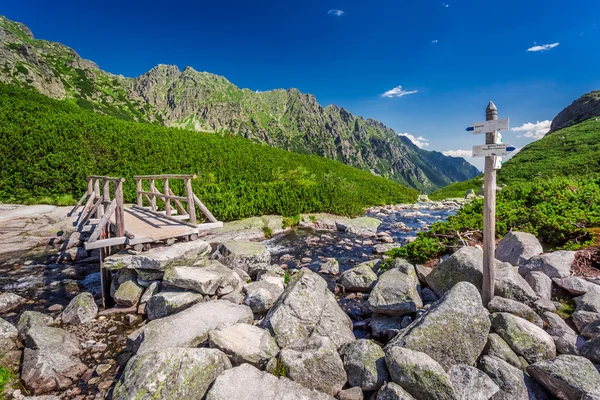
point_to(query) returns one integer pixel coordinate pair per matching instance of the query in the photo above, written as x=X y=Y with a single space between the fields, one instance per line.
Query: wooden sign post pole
x=489 y=214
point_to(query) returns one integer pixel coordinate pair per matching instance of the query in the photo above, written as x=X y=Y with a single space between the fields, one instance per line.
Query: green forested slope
x=48 y=148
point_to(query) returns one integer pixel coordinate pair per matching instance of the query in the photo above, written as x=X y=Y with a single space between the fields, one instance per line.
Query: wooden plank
x=70 y=214
x=100 y=211
x=205 y=210
x=91 y=212
x=171 y=176
x=152 y=194
x=159 y=214
x=112 y=179
x=98 y=244
x=157 y=193
x=105 y=220
x=119 y=212
x=140 y=199
x=167 y=198
x=190 y=200
x=177 y=202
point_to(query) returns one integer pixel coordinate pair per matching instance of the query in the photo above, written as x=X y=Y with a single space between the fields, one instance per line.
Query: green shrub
x=421 y=250
x=6 y=376
x=268 y=232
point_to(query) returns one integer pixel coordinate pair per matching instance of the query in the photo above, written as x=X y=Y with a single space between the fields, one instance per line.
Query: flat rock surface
x=211 y=279
x=159 y=258
x=556 y=264
x=396 y=293
x=244 y=343
x=518 y=247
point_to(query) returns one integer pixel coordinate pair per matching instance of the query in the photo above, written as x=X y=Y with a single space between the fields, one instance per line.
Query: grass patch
x=6 y=376
x=457 y=190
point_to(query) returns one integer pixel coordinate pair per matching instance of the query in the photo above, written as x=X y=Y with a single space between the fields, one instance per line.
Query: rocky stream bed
x=311 y=313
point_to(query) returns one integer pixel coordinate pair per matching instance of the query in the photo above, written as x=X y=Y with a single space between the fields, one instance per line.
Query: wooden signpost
x=492 y=150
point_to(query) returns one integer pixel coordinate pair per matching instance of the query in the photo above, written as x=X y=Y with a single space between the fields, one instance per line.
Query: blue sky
x=455 y=56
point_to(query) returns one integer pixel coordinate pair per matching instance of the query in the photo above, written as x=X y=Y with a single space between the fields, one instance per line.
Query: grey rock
x=307 y=308
x=149 y=275
x=242 y=254
x=170 y=302
x=383 y=248
x=354 y=393
x=514 y=384
x=591 y=330
x=50 y=360
x=152 y=289
x=565 y=338
x=255 y=269
x=567 y=377
x=159 y=258
x=591 y=350
x=518 y=247
x=65 y=256
x=261 y=295
x=128 y=294
x=361 y=226
x=236 y=297
x=588 y=302
x=365 y=366
x=497 y=347
x=8 y=337
x=384 y=327
x=471 y=384
x=543 y=305
x=358 y=279
x=29 y=319
x=244 y=343
x=581 y=319
x=183 y=374
x=314 y=363
x=396 y=292
x=540 y=283
x=500 y=304
x=10 y=301
x=418 y=374
x=244 y=277
x=523 y=337
x=428 y=296
x=392 y=391
x=187 y=328
x=556 y=325
x=554 y=265
x=453 y=331
x=331 y=267
x=249 y=383
x=81 y=309
x=576 y=286
x=422 y=272
x=509 y=284
x=209 y=280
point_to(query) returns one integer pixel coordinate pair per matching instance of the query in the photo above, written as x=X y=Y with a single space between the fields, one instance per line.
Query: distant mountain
x=585 y=107
x=206 y=102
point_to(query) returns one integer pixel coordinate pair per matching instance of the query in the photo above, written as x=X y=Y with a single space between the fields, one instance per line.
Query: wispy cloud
x=419 y=141
x=535 y=131
x=398 y=92
x=544 y=47
x=434 y=41
x=458 y=153
x=337 y=13
x=446 y=5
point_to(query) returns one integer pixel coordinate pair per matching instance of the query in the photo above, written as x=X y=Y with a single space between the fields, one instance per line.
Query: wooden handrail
x=106 y=178
x=136 y=177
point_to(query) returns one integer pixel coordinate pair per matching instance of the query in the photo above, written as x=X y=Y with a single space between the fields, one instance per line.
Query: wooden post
x=119 y=212
x=167 y=200
x=90 y=186
x=190 y=200
x=153 y=198
x=140 y=199
x=489 y=215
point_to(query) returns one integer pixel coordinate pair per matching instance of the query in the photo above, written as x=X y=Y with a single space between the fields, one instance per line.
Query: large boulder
x=576 y=286
x=244 y=343
x=471 y=384
x=362 y=226
x=182 y=374
x=365 y=366
x=500 y=304
x=308 y=308
x=261 y=295
x=128 y=294
x=358 y=279
x=392 y=391
x=523 y=337
x=567 y=377
x=591 y=330
x=242 y=254
x=518 y=247
x=8 y=337
x=452 y=331
x=591 y=350
x=249 y=383
x=159 y=258
x=80 y=310
x=187 y=328
x=170 y=302
x=497 y=347
x=514 y=384
x=565 y=338
x=581 y=319
x=29 y=319
x=397 y=291
x=209 y=280
x=418 y=374
x=10 y=301
x=385 y=327
x=314 y=363
x=540 y=283
x=50 y=360
x=588 y=302
x=509 y=284
x=555 y=265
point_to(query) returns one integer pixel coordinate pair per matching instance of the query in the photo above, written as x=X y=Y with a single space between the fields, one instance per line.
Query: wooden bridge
x=112 y=223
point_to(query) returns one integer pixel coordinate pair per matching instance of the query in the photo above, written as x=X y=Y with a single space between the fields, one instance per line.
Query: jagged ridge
x=206 y=102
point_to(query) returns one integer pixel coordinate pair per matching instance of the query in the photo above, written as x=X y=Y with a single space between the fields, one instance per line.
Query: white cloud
x=419 y=141
x=434 y=41
x=458 y=153
x=544 y=47
x=535 y=131
x=337 y=13
x=446 y=5
x=398 y=92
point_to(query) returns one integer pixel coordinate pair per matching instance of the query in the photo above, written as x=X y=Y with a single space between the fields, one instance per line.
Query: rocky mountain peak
x=586 y=107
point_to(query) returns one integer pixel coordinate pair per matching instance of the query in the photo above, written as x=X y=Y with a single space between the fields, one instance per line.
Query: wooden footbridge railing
x=113 y=224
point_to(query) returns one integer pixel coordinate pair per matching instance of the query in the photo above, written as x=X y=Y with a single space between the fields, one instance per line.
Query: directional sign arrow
x=491 y=150
x=479 y=128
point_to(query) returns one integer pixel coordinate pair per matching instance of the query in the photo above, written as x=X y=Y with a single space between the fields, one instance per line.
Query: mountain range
x=201 y=101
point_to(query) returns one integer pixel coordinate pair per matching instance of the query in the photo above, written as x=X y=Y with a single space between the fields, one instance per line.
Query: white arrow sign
x=490 y=150
x=490 y=126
